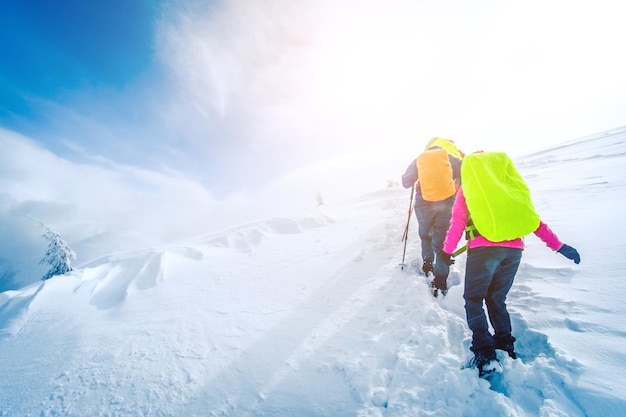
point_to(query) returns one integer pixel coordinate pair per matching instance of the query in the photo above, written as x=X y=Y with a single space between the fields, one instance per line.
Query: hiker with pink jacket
x=492 y=207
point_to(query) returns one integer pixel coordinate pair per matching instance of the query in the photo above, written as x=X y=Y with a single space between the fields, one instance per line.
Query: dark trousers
x=489 y=275
x=433 y=219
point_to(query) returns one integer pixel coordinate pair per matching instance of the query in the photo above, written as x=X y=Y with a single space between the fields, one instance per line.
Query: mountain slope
x=311 y=315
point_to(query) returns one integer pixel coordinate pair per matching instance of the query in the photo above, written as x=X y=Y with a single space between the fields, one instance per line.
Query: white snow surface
x=312 y=315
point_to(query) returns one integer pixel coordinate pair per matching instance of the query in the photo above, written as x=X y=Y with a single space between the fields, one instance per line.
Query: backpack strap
x=471 y=232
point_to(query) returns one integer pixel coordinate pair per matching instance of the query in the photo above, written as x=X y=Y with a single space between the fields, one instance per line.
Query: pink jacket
x=460 y=216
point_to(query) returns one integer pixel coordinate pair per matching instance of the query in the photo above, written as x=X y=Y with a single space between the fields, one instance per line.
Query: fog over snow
x=310 y=314
x=132 y=124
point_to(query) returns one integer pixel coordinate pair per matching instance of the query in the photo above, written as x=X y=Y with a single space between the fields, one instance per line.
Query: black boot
x=507 y=345
x=427 y=267
x=440 y=283
x=434 y=289
x=486 y=362
x=510 y=349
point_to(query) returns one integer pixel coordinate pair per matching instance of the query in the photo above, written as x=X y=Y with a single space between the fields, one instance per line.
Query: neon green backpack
x=446 y=144
x=497 y=197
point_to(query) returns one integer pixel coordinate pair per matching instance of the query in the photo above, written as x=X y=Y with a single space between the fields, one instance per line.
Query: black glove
x=446 y=258
x=570 y=253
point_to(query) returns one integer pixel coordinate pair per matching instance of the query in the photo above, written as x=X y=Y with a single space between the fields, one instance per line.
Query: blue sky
x=113 y=114
x=68 y=67
x=205 y=88
x=53 y=48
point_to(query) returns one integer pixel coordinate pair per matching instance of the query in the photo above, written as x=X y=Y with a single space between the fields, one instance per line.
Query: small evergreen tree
x=58 y=255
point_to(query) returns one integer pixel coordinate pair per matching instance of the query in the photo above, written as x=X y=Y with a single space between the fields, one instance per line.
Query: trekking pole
x=405 y=238
x=459 y=251
x=406 y=229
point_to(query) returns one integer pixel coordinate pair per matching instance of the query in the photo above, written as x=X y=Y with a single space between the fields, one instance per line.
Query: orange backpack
x=435 y=175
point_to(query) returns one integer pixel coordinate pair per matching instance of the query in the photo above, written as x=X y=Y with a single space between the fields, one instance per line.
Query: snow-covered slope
x=311 y=315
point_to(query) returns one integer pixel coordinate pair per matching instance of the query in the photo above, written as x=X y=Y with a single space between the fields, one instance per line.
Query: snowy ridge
x=310 y=315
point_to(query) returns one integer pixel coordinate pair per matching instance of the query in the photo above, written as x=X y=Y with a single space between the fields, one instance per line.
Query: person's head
x=446 y=144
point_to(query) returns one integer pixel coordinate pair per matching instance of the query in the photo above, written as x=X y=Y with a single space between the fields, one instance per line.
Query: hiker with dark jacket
x=490 y=269
x=438 y=176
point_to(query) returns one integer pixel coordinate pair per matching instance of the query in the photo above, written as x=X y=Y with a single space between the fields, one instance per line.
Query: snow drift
x=311 y=315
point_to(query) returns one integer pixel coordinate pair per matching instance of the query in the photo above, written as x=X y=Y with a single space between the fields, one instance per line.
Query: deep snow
x=311 y=315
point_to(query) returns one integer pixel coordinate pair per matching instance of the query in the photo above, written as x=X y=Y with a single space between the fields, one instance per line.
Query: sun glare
x=371 y=69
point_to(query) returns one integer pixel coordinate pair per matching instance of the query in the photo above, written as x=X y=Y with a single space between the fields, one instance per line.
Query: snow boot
x=440 y=285
x=507 y=346
x=487 y=364
x=510 y=349
x=434 y=289
x=427 y=267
